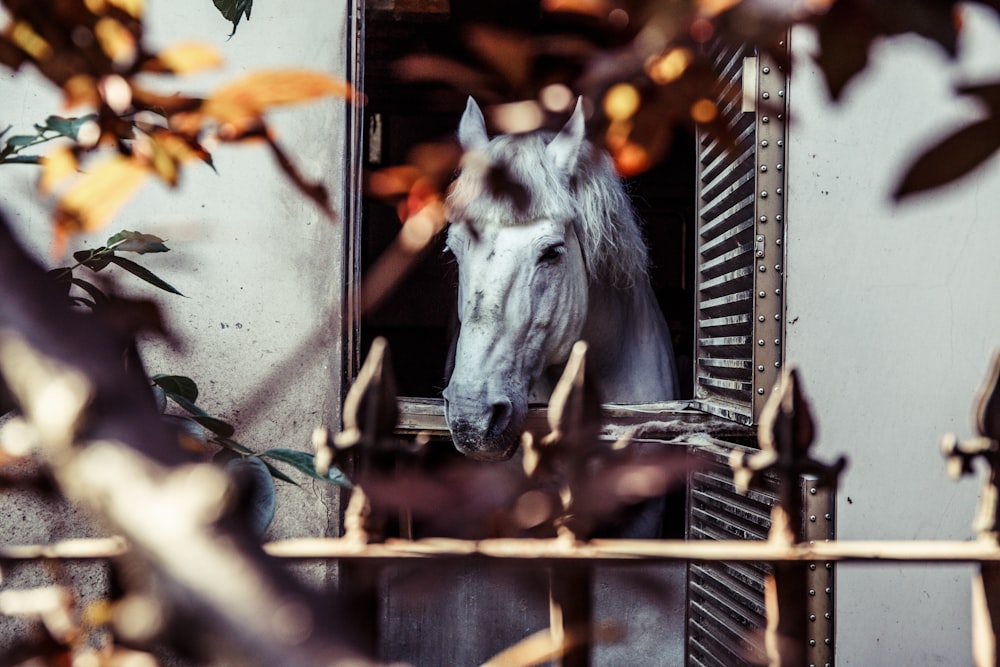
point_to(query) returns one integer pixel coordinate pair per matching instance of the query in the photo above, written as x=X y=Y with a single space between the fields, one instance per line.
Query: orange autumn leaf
x=94 y=199
x=184 y=58
x=243 y=102
x=57 y=166
x=80 y=90
x=392 y=181
x=133 y=7
x=166 y=152
x=163 y=163
x=598 y=8
x=116 y=41
x=712 y=8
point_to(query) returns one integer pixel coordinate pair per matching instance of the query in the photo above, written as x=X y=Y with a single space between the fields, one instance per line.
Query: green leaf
x=137 y=242
x=143 y=273
x=21 y=140
x=277 y=474
x=95 y=260
x=234 y=10
x=177 y=384
x=90 y=288
x=304 y=462
x=186 y=404
x=21 y=159
x=232 y=445
x=68 y=127
x=216 y=426
x=188 y=428
x=213 y=424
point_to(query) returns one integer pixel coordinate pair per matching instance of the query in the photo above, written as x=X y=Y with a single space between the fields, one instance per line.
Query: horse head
x=522 y=286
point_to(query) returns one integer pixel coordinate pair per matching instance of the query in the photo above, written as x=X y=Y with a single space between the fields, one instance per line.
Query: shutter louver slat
x=726 y=614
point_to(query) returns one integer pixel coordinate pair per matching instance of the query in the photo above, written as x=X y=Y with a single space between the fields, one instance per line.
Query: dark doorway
x=400 y=115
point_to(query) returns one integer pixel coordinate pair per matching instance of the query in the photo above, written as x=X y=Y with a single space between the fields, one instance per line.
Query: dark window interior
x=418 y=318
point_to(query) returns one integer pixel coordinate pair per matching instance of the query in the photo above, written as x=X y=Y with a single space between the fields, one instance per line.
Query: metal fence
x=761 y=561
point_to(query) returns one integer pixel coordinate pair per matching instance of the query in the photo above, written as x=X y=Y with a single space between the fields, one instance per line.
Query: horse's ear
x=565 y=148
x=472 y=128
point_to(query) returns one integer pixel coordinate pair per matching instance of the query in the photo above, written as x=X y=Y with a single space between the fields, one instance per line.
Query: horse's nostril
x=500 y=417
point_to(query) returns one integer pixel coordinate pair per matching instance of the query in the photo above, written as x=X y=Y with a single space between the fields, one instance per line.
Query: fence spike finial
x=960 y=454
x=785 y=434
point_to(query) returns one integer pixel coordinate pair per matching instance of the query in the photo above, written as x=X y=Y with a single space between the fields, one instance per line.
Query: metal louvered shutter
x=725 y=600
x=725 y=617
x=740 y=229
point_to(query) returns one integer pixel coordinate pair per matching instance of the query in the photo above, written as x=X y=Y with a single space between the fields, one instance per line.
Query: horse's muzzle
x=484 y=432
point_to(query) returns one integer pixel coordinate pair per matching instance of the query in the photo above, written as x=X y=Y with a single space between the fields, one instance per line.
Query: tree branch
x=97 y=427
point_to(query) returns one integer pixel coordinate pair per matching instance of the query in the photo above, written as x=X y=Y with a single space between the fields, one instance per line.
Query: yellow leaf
x=184 y=58
x=712 y=8
x=57 y=166
x=162 y=162
x=242 y=102
x=178 y=148
x=81 y=89
x=24 y=36
x=94 y=199
x=116 y=41
x=132 y=7
x=166 y=151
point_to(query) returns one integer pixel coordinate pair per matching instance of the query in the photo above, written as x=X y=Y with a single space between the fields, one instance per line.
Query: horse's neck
x=630 y=354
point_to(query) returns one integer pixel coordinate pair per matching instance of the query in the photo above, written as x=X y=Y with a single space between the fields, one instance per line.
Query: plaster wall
x=891 y=320
x=261 y=267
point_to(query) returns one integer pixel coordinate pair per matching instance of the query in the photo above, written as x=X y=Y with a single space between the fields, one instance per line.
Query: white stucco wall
x=892 y=321
x=260 y=265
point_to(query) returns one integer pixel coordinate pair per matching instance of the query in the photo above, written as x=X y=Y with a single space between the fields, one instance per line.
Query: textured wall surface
x=891 y=317
x=259 y=265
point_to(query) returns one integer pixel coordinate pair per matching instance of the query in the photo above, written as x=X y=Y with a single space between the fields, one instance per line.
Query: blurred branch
x=97 y=425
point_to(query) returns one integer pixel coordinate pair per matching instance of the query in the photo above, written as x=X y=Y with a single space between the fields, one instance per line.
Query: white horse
x=549 y=252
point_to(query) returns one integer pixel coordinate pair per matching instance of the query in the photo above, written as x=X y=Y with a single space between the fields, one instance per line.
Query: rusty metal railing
x=553 y=463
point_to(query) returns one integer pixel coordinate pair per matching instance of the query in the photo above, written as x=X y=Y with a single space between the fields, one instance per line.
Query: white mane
x=511 y=181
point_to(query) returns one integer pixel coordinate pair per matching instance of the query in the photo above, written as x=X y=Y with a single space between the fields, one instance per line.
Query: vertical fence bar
x=571 y=612
x=366 y=441
x=986 y=615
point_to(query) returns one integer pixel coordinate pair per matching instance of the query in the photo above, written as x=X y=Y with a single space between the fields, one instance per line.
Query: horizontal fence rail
x=621 y=552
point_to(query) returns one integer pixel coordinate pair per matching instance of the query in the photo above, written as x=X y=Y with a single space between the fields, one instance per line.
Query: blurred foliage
x=646 y=68
x=54 y=127
x=198 y=430
x=95 y=53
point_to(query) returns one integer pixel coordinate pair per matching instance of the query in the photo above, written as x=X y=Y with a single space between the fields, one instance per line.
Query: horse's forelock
x=511 y=182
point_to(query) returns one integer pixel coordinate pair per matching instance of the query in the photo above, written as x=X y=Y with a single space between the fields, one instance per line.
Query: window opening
x=418 y=317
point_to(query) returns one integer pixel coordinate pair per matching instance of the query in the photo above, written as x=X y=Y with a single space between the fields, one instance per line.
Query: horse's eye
x=552 y=253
